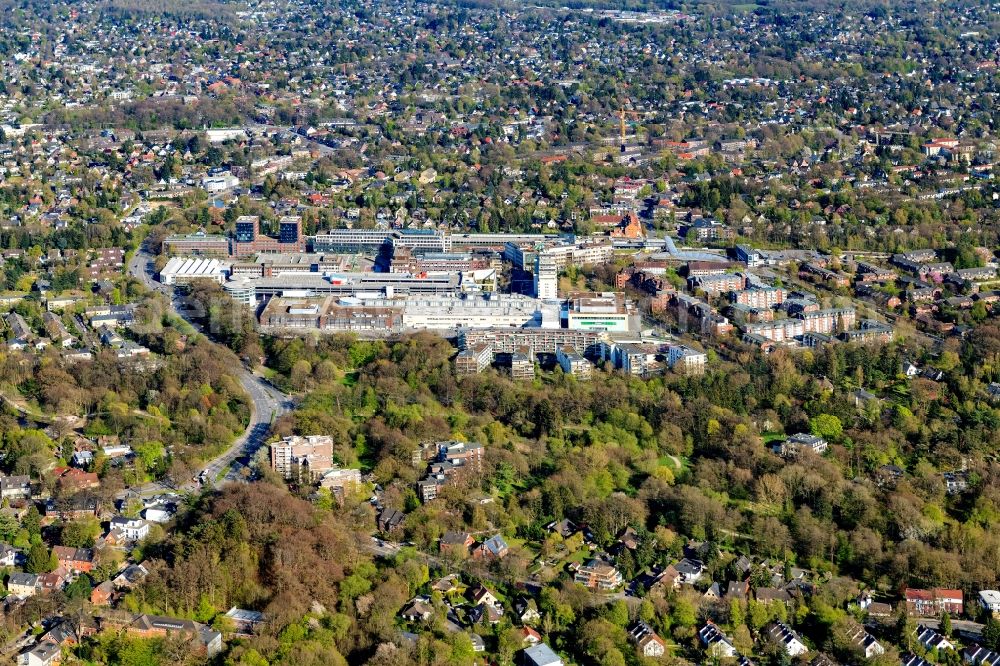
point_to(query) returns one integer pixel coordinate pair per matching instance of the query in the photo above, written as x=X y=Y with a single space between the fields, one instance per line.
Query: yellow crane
x=622 y=112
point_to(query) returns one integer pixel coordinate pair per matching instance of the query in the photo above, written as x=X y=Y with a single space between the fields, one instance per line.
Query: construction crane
x=622 y=112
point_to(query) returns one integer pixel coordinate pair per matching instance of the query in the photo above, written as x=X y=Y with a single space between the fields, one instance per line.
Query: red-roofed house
x=933 y=602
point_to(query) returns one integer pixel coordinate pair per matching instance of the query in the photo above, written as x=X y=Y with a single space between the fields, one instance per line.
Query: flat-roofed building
x=184 y=270
x=302 y=458
x=353 y=283
x=331 y=314
x=197 y=244
x=341 y=480
x=686 y=360
x=521 y=366
x=538 y=340
x=717 y=284
x=474 y=359
x=607 y=311
x=546 y=275
x=249 y=240
x=573 y=363
x=447 y=312
x=598 y=575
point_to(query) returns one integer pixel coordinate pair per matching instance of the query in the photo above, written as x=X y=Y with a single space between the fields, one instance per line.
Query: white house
x=131 y=529
x=787 y=638
x=990 y=600
x=158 y=513
x=43 y=654
x=647 y=642
x=717 y=644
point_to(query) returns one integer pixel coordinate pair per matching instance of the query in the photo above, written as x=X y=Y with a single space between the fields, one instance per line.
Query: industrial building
x=182 y=270
x=271 y=264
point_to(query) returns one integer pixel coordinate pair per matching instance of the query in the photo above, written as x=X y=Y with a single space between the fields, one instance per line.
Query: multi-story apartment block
x=717 y=284
x=302 y=458
x=758 y=297
x=474 y=359
x=573 y=363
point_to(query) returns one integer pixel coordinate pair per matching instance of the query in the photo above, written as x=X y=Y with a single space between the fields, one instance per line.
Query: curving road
x=266 y=401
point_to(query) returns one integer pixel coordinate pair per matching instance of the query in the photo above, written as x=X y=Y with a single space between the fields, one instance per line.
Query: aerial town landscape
x=457 y=332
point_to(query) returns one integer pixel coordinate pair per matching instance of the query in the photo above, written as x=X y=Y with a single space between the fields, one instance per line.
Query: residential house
x=15 y=487
x=540 y=655
x=717 y=644
x=485 y=613
x=646 y=641
x=73 y=480
x=456 y=543
x=206 y=639
x=126 y=529
x=529 y=636
x=245 y=622
x=9 y=556
x=480 y=594
x=447 y=584
x=990 y=600
x=77 y=560
x=792 y=446
x=389 y=519
x=52 y=581
x=933 y=602
x=43 y=654
x=130 y=576
x=738 y=589
x=913 y=660
x=668 y=579
x=22 y=585
x=690 y=570
x=784 y=636
x=865 y=642
x=418 y=610
x=766 y=595
x=160 y=512
x=822 y=660
x=526 y=610
x=493 y=548
x=564 y=528
x=102 y=594
x=980 y=656
x=931 y=639
x=598 y=575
